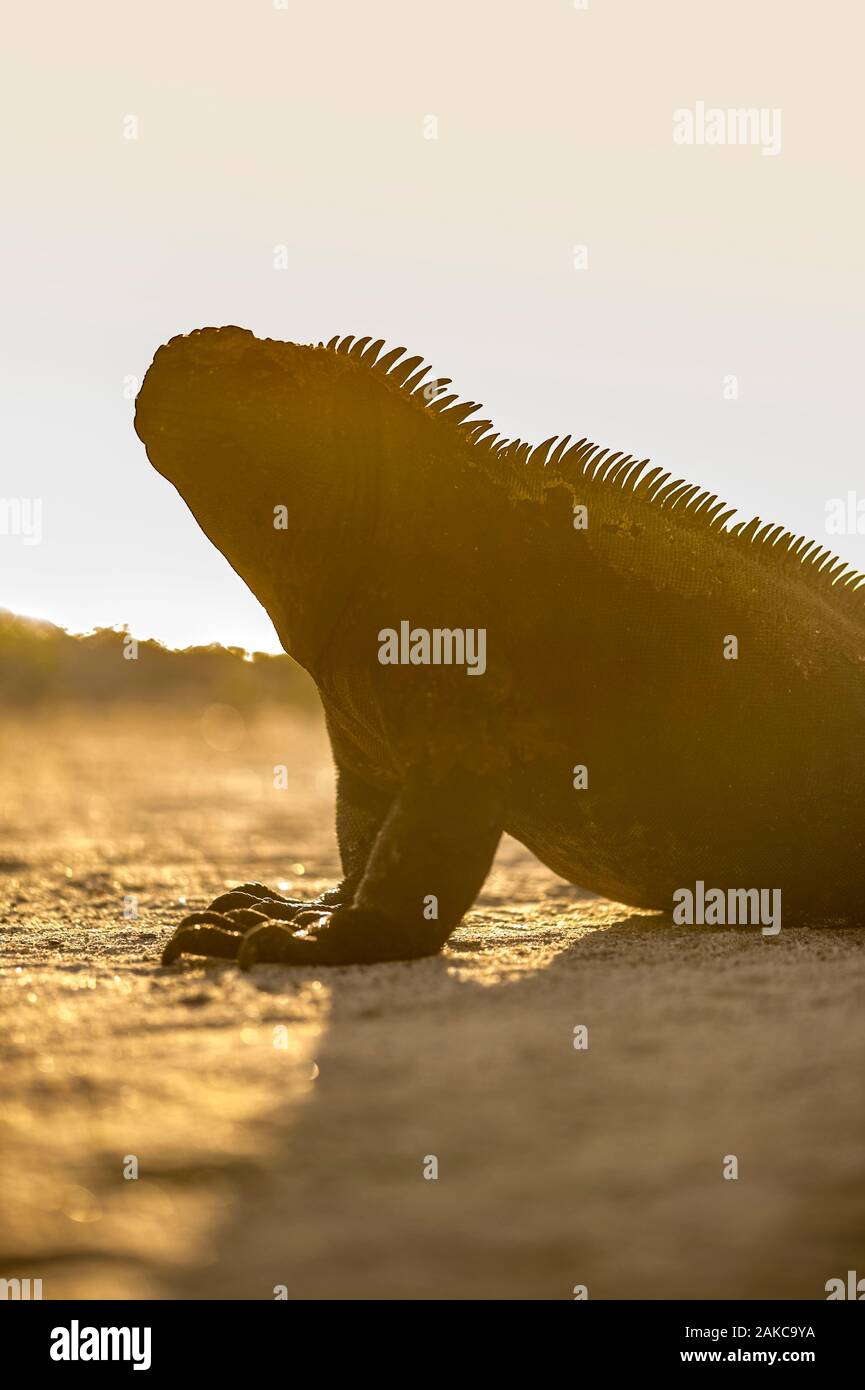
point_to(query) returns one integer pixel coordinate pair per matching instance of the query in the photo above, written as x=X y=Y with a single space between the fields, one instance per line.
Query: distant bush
x=40 y=663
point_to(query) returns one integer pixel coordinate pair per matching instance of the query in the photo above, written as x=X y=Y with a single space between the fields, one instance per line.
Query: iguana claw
x=199 y=940
x=275 y=944
x=251 y=894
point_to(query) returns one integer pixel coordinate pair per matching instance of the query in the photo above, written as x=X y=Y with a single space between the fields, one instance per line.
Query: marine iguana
x=609 y=732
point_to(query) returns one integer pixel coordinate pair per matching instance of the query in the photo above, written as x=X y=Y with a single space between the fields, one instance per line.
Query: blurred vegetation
x=43 y=664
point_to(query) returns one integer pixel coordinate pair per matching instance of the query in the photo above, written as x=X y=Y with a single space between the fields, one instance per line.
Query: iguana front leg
x=219 y=930
x=426 y=867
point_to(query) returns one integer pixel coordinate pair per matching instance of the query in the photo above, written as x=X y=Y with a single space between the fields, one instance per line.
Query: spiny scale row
x=588 y=461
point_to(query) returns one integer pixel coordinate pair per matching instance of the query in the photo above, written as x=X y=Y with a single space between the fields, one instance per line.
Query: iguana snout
x=197 y=387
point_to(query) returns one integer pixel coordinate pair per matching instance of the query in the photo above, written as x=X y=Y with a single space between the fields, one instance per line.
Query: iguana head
x=258 y=442
x=222 y=414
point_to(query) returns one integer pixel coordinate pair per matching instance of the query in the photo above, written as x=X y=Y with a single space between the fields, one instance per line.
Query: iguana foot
x=344 y=936
x=220 y=929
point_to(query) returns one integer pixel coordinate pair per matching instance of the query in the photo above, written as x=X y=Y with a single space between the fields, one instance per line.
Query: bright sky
x=304 y=126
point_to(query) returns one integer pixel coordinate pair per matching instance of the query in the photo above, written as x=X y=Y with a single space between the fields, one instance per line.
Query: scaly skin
x=605 y=648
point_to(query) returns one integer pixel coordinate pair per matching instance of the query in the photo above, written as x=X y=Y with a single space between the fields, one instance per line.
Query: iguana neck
x=299 y=553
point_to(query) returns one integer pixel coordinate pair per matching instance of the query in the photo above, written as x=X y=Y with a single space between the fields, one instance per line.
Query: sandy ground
x=281 y=1120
